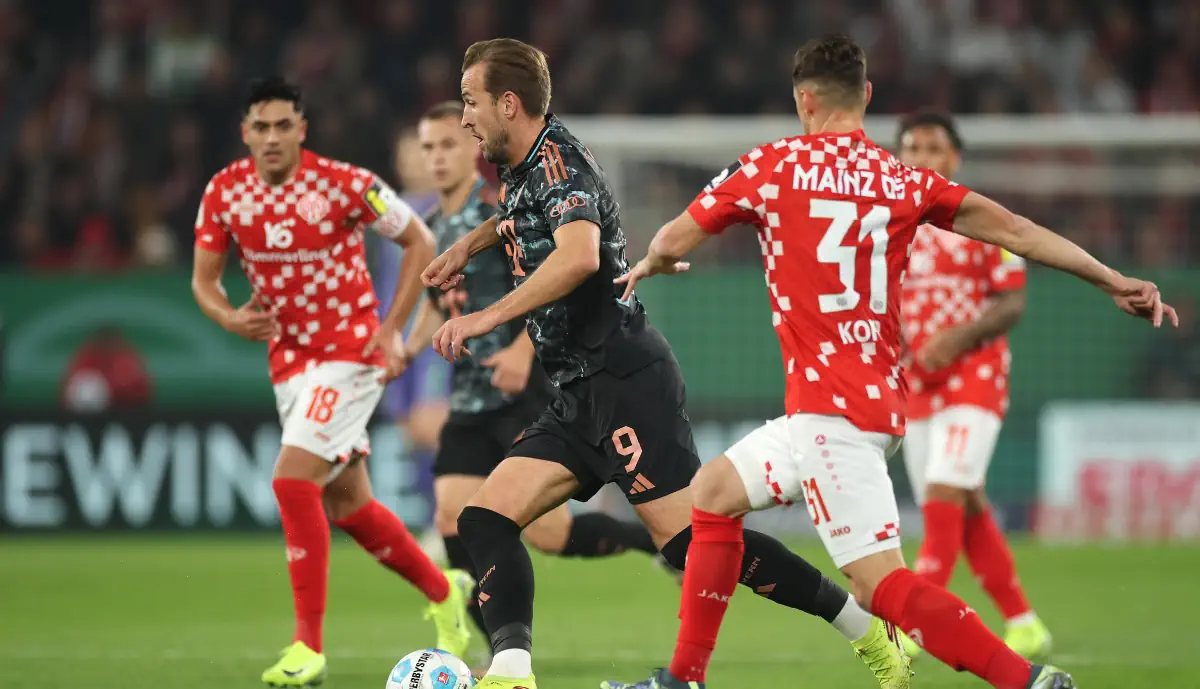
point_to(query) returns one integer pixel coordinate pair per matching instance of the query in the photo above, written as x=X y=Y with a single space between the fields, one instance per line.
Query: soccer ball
x=430 y=668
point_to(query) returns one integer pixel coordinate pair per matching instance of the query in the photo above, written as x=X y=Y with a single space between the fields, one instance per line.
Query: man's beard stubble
x=495 y=151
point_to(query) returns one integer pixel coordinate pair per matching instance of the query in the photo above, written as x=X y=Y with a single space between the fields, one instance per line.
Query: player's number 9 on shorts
x=627 y=445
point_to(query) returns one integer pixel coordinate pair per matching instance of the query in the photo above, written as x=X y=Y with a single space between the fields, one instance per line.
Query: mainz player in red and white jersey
x=836 y=215
x=959 y=299
x=297 y=221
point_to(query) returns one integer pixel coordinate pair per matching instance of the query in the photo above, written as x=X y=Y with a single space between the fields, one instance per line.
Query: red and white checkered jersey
x=950 y=278
x=301 y=247
x=836 y=216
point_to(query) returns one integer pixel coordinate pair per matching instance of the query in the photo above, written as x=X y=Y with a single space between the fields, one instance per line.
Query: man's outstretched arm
x=979 y=217
x=671 y=243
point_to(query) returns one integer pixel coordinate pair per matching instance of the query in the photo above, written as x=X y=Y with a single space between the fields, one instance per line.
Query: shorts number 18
x=321 y=407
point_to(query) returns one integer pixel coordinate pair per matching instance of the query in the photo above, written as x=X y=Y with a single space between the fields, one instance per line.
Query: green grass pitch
x=186 y=612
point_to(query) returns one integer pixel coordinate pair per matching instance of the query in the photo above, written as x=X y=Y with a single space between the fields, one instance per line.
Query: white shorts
x=837 y=469
x=953 y=447
x=325 y=410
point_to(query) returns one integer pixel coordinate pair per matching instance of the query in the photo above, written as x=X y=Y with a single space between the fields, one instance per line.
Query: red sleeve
x=212 y=234
x=376 y=205
x=1006 y=270
x=941 y=198
x=733 y=196
x=363 y=193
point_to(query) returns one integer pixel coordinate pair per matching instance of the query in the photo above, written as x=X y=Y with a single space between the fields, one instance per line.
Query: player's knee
x=302 y=465
x=478 y=527
x=977 y=502
x=717 y=489
x=339 y=508
x=342 y=501
x=349 y=490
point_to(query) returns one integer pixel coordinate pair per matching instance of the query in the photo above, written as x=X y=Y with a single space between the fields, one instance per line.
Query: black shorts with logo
x=474 y=444
x=629 y=429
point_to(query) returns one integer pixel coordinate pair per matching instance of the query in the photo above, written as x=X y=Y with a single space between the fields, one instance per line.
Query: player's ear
x=245 y=127
x=302 y=125
x=870 y=90
x=806 y=103
x=511 y=104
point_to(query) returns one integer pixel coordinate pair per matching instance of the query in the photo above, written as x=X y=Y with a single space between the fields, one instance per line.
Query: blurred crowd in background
x=114 y=113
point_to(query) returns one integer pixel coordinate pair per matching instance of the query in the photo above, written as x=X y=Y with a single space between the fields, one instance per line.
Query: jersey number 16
x=843 y=216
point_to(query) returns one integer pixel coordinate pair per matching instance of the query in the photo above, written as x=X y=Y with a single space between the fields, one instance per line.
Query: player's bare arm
x=418 y=244
x=419 y=247
x=446 y=270
x=575 y=258
x=665 y=255
x=946 y=346
x=981 y=218
x=248 y=321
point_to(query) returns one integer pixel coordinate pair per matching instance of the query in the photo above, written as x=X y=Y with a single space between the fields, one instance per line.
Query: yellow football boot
x=881 y=650
x=298 y=666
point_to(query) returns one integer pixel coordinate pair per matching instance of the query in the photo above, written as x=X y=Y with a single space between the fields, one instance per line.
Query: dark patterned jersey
x=486 y=278
x=590 y=329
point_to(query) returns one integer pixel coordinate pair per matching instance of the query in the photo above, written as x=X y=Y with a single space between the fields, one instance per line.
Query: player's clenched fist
x=1141 y=299
x=446 y=270
x=251 y=323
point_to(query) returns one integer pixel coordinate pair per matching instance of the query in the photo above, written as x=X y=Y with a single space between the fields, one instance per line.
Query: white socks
x=853 y=622
x=516 y=663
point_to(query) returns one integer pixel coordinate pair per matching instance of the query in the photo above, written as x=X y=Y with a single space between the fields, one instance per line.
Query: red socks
x=992 y=562
x=374 y=527
x=306 y=532
x=948 y=629
x=382 y=534
x=943 y=541
x=714 y=562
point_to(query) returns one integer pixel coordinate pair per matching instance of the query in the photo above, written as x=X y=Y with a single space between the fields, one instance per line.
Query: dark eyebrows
x=276 y=123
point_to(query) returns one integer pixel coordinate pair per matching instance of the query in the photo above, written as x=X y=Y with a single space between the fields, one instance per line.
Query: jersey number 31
x=843 y=215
